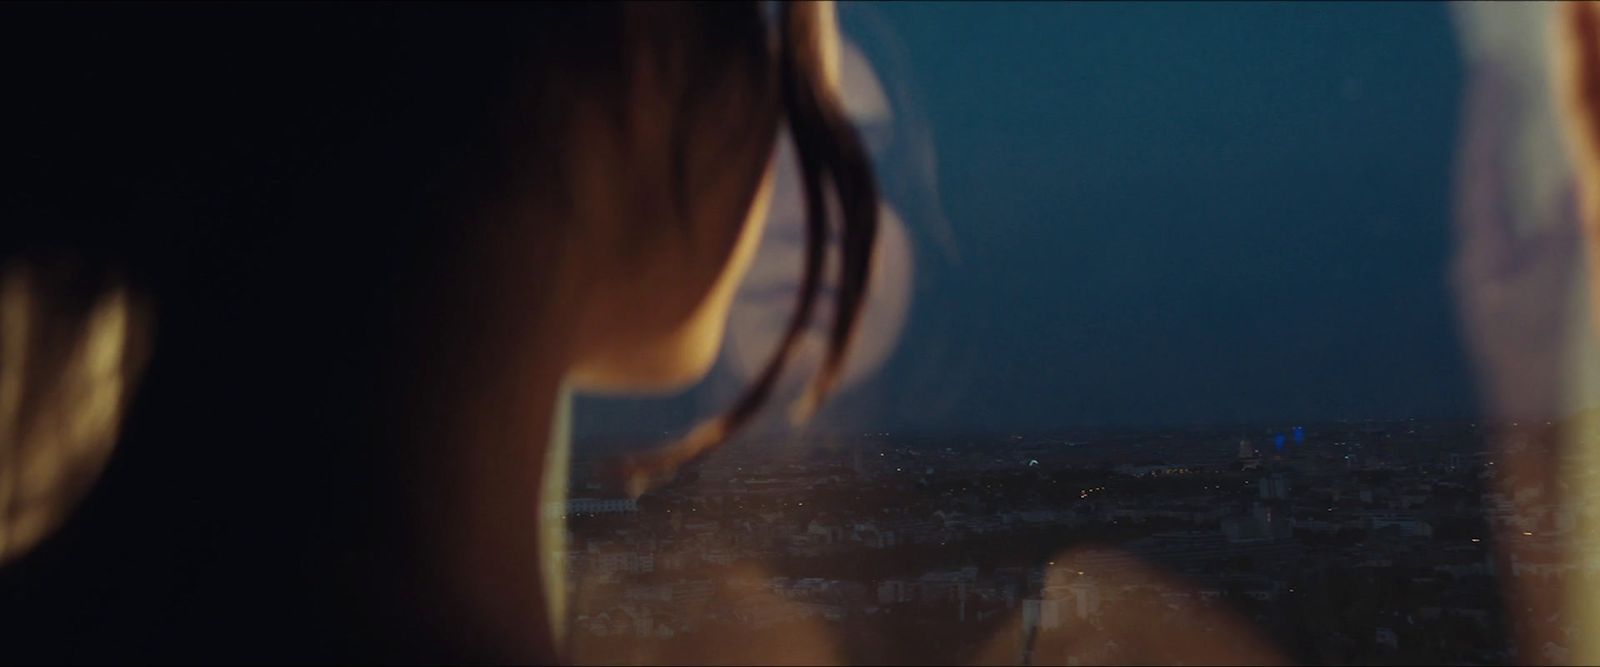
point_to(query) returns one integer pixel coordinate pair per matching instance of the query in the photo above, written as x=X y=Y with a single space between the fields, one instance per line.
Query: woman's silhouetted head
x=360 y=251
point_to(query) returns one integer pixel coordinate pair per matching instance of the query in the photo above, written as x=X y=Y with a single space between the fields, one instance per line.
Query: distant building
x=1405 y=525
x=1249 y=457
x=1261 y=524
x=1042 y=614
x=601 y=505
x=896 y=590
x=1079 y=599
x=1275 y=487
x=1085 y=597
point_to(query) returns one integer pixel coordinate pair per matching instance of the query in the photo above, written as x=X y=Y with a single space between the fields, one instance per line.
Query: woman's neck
x=500 y=518
x=553 y=518
x=499 y=452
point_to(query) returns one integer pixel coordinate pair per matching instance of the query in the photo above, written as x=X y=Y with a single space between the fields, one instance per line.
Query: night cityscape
x=1341 y=543
x=802 y=333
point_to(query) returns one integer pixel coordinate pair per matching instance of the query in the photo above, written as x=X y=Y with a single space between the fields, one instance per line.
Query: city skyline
x=1362 y=543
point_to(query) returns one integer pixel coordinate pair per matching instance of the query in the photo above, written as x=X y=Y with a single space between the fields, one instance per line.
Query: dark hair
x=831 y=158
x=211 y=157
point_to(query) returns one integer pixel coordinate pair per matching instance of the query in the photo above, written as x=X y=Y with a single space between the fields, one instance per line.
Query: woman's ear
x=672 y=203
x=657 y=326
x=68 y=365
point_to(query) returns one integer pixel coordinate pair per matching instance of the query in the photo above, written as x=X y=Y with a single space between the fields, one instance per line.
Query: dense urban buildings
x=1337 y=543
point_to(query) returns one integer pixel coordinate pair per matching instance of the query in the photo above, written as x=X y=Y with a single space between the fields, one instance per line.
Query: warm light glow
x=61 y=401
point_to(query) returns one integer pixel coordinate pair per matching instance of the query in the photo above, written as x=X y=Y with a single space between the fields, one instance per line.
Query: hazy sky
x=1167 y=214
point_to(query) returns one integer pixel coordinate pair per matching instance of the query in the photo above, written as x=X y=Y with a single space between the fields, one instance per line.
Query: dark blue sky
x=1167 y=214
